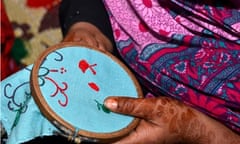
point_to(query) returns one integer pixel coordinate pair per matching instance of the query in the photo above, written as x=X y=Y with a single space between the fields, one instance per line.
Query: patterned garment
x=183 y=49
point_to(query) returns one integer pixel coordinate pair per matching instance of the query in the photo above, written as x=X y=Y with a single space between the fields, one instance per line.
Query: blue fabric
x=20 y=115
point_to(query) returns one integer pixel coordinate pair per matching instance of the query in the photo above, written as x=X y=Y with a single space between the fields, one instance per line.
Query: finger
x=68 y=38
x=72 y=37
x=138 y=107
x=90 y=40
x=104 y=44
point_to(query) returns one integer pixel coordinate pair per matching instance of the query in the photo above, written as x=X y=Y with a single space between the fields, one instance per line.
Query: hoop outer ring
x=52 y=116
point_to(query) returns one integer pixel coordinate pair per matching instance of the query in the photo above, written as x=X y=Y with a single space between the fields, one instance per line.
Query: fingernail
x=111 y=104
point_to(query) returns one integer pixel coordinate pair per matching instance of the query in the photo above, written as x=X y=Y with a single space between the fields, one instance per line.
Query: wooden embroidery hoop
x=49 y=113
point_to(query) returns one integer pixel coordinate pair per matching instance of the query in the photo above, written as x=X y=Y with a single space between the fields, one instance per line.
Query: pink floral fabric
x=186 y=50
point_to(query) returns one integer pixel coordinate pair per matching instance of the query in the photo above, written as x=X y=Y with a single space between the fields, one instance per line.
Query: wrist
x=219 y=133
x=203 y=129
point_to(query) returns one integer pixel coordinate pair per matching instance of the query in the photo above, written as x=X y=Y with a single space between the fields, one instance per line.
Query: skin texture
x=88 y=34
x=162 y=120
x=167 y=121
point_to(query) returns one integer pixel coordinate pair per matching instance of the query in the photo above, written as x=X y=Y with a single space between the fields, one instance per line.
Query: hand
x=90 y=35
x=167 y=121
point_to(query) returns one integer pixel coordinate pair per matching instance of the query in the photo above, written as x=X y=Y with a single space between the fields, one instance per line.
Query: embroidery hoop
x=49 y=113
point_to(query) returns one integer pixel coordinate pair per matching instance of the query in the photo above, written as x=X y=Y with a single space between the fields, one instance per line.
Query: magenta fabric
x=185 y=50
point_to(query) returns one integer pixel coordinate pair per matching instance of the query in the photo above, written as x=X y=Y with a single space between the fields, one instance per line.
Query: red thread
x=61 y=90
x=93 y=86
x=84 y=65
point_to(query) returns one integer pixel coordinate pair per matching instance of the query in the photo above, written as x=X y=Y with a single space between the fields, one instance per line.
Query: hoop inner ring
x=69 y=83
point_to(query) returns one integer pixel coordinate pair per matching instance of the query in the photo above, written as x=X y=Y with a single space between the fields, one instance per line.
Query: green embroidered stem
x=20 y=111
x=17 y=117
x=101 y=106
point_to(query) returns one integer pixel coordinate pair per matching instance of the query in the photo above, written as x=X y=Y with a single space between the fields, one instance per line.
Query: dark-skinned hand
x=167 y=121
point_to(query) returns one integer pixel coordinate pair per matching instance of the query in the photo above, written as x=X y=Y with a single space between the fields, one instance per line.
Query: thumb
x=137 y=107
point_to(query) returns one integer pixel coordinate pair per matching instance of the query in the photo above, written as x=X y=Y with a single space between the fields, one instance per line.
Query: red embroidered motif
x=61 y=90
x=93 y=86
x=62 y=70
x=84 y=65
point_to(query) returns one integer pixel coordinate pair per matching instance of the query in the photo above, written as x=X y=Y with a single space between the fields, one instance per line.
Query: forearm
x=221 y=134
x=204 y=129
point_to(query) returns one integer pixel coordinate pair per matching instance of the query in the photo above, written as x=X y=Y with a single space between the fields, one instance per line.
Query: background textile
x=27 y=28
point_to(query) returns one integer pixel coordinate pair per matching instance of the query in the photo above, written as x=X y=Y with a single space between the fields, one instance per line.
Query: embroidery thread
x=102 y=107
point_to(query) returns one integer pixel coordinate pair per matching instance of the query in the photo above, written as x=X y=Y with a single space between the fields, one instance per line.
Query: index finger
x=137 y=107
